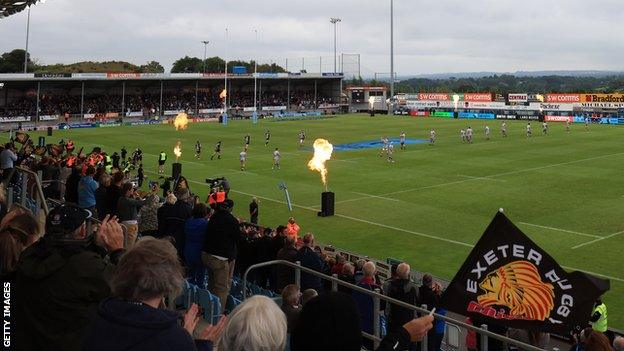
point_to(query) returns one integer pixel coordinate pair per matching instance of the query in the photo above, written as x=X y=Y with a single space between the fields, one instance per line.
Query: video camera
x=221 y=182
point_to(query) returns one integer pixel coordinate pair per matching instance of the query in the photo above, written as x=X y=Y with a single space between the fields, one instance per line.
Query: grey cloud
x=431 y=36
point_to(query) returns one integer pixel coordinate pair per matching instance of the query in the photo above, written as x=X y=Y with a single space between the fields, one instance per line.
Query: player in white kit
x=567 y=127
x=545 y=128
x=487 y=133
x=402 y=140
x=432 y=136
x=276 y=159
x=469 y=135
x=243 y=159
x=462 y=135
x=529 y=132
x=504 y=129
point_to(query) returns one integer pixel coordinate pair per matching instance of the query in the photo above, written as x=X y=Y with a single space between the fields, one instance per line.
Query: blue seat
x=210 y=304
x=187 y=296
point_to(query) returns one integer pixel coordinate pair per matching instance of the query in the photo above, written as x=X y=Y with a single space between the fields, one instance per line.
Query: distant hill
x=563 y=73
x=89 y=66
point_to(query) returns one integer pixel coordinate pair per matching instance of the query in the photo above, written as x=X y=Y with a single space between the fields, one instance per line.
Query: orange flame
x=181 y=121
x=177 y=150
x=322 y=152
x=223 y=94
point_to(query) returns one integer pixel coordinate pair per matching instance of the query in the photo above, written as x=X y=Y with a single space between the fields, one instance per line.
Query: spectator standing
x=148 y=215
x=359 y=265
x=86 y=191
x=7 y=160
x=599 y=316
x=403 y=289
x=618 y=343
x=101 y=194
x=310 y=259
x=347 y=276
x=290 y=305
x=339 y=265
x=71 y=186
x=292 y=228
x=430 y=293
x=285 y=275
x=135 y=317
x=128 y=211
x=162 y=213
x=365 y=302
x=219 y=251
x=597 y=341
x=331 y=322
x=177 y=216
x=253 y=210
x=195 y=232
x=62 y=278
x=114 y=192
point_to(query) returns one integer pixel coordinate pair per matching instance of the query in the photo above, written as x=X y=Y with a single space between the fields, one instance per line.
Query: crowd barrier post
x=9 y=197
x=423 y=342
x=298 y=274
x=376 y=307
x=38 y=198
x=334 y=284
x=24 y=191
x=484 y=338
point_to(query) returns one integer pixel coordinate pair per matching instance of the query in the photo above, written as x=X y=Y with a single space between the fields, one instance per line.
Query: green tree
x=152 y=67
x=13 y=62
x=187 y=64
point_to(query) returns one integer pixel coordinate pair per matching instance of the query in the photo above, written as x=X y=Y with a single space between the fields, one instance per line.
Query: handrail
x=298 y=268
x=37 y=182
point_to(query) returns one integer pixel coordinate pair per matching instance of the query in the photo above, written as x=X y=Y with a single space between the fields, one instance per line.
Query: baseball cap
x=65 y=219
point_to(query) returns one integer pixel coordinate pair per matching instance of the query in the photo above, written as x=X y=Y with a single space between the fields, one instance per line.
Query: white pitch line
x=596 y=240
x=482 y=178
x=593 y=273
x=377 y=197
x=503 y=174
x=562 y=230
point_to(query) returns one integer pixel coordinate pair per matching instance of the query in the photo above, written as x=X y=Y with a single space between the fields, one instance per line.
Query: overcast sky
x=430 y=36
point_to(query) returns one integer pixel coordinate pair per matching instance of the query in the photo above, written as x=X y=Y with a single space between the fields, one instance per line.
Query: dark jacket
x=101 y=202
x=222 y=233
x=171 y=220
x=60 y=286
x=112 y=197
x=285 y=275
x=312 y=260
x=365 y=305
x=120 y=325
x=406 y=291
x=128 y=208
x=195 y=231
x=428 y=297
x=71 y=187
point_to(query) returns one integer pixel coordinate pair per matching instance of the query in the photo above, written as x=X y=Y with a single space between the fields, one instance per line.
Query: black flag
x=508 y=280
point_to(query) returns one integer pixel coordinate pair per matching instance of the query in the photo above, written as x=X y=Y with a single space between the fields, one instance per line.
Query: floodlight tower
x=334 y=21
x=205 y=42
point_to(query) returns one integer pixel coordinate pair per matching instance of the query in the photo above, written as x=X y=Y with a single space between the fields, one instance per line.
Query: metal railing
x=34 y=192
x=377 y=297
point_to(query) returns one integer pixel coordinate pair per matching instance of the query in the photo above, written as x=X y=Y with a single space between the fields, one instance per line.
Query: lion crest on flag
x=518 y=286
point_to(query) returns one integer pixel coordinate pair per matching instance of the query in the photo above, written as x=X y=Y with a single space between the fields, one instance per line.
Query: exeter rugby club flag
x=508 y=280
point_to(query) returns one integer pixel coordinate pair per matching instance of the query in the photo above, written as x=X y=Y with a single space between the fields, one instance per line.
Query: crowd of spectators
x=108 y=289
x=149 y=103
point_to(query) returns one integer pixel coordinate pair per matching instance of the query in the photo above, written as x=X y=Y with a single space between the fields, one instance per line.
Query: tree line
x=13 y=62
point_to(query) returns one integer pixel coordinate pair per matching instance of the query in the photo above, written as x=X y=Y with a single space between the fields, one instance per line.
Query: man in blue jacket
x=312 y=260
x=86 y=190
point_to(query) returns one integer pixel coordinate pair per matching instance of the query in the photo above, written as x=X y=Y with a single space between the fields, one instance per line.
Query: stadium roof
x=10 y=7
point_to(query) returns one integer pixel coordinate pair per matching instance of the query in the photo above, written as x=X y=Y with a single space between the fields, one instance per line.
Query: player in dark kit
x=267 y=137
x=198 y=149
x=124 y=153
x=302 y=137
x=217 y=151
x=247 y=141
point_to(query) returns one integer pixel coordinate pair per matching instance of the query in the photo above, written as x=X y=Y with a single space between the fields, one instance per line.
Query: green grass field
x=565 y=191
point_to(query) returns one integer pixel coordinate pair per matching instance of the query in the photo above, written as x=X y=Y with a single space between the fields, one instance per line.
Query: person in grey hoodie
x=128 y=211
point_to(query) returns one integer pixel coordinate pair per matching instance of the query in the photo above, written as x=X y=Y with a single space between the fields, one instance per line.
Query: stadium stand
x=149 y=281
